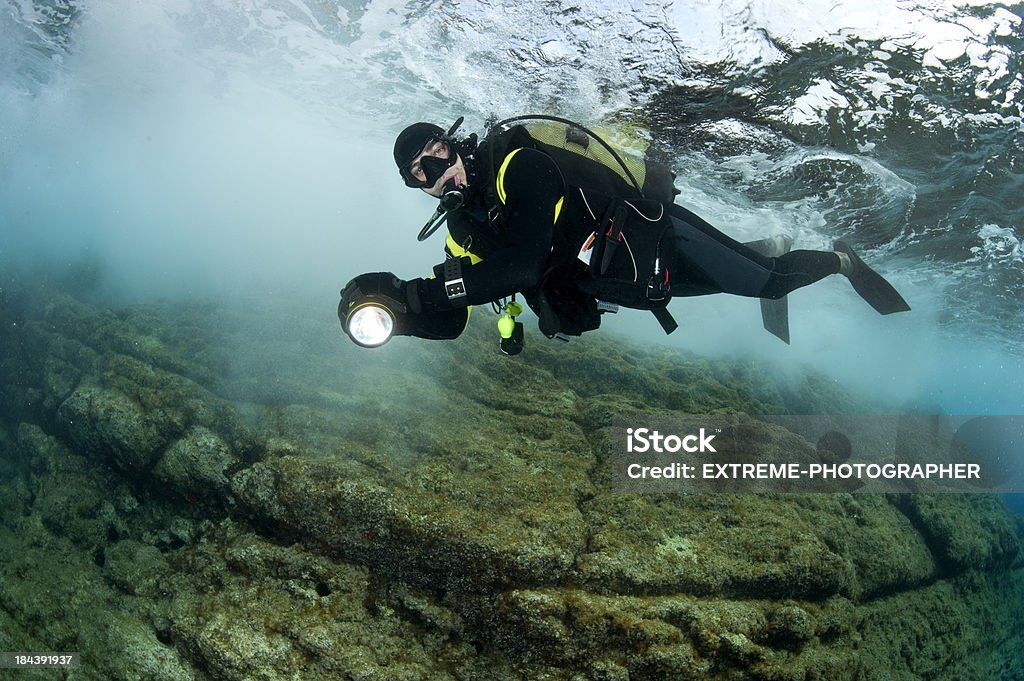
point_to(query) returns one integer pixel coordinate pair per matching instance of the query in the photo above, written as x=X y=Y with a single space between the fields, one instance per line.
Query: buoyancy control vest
x=613 y=229
x=587 y=160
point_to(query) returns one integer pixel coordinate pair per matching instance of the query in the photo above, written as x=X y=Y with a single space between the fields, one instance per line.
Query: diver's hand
x=411 y=291
x=386 y=284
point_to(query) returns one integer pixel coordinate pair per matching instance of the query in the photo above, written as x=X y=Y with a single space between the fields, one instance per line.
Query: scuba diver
x=545 y=208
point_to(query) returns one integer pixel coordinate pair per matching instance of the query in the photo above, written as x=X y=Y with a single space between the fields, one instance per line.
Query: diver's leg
x=797 y=269
x=708 y=261
x=800 y=268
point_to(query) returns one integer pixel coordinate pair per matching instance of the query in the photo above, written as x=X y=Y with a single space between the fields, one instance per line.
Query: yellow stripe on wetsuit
x=501 y=183
x=460 y=252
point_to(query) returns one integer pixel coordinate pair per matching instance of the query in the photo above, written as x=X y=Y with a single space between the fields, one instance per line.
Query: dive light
x=369 y=312
x=370 y=325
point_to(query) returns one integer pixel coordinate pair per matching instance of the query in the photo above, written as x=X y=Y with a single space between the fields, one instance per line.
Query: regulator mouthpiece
x=452 y=199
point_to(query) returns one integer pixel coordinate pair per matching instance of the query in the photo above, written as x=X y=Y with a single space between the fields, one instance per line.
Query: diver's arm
x=438 y=324
x=531 y=191
x=383 y=290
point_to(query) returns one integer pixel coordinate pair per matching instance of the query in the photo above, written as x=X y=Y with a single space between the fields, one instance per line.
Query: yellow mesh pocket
x=575 y=140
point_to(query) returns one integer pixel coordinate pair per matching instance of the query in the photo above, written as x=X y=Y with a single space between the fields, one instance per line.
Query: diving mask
x=435 y=158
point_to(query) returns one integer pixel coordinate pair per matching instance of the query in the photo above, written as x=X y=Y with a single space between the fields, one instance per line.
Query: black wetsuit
x=515 y=255
x=708 y=261
x=524 y=249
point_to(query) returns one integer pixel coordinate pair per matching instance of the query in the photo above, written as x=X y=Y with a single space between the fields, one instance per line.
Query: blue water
x=193 y=150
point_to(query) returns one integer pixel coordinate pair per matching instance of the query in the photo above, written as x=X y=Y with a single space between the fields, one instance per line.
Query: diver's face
x=436 y=154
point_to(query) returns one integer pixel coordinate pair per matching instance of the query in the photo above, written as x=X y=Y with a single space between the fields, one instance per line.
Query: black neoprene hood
x=411 y=141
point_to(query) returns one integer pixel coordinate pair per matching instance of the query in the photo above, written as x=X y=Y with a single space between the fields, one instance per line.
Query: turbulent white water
x=227 y=147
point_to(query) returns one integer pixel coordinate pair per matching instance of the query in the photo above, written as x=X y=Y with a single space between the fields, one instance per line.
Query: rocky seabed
x=203 y=492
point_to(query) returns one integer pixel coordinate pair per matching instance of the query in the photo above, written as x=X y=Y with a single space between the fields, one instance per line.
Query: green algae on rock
x=191 y=492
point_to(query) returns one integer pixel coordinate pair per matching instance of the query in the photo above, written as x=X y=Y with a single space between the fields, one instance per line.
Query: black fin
x=872 y=286
x=775 y=316
x=774 y=313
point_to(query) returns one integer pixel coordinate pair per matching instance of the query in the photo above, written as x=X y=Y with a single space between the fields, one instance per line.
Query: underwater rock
x=107 y=422
x=401 y=515
x=969 y=531
x=69 y=498
x=282 y=612
x=196 y=463
x=811 y=546
x=60 y=378
x=52 y=585
x=493 y=537
x=135 y=568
